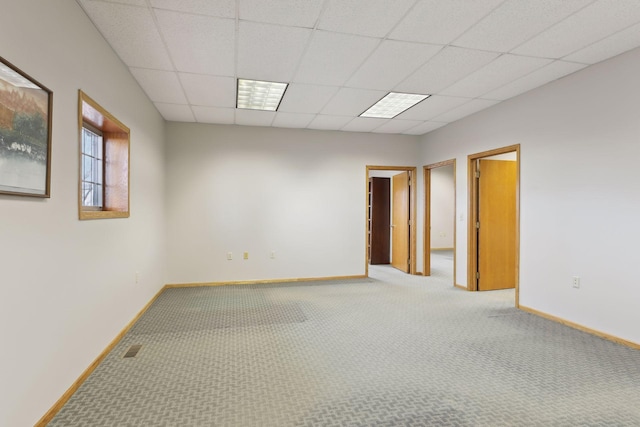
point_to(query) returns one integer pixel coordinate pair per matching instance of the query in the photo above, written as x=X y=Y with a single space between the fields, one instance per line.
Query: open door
x=400 y=226
x=496 y=224
x=380 y=220
x=403 y=234
x=437 y=210
x=494 y=220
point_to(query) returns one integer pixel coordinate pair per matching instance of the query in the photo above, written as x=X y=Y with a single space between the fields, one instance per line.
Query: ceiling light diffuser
x=393 y=104
x=260 y=95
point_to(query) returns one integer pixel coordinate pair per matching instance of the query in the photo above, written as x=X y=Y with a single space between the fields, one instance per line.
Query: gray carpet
x=393 y=350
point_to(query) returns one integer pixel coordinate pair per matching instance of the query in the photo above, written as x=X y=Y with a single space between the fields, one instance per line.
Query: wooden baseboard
x=461 y=287
x=46 y=418
x=441 y=249
x=262 y=282
x=579 y=327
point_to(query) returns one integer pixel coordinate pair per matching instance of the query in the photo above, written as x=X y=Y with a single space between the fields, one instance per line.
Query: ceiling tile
x=209 y=91
x=329 y=122
x=132 y=33
x=441 y=22
x=553 y=71
x=424 y=128
x=270 y=52
x=447 y=67
x=397 y=126
x=214 y=115
x=220 y=8
x=516 y=21
x=503 y=70
x=175 y=113
x=391 y=62
x=199 y=44
x=591 y=24
x=300 y=98
x=296 y=13
x=332 y=58
x=364 y=124
x=340 y=56
x=609 y=47
x=160 y=86
x=254 y=117
x=431 y=107
x=373 y=18
x=464 y=110
x=352 y=102
x=292 y=120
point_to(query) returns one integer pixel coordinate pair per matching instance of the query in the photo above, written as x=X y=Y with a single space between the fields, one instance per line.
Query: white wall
x=442 y=207
x=300 y=193
x=68 y=286
x=580 y=204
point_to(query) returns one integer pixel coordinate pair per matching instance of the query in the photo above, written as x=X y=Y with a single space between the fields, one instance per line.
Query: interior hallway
x=391 y=350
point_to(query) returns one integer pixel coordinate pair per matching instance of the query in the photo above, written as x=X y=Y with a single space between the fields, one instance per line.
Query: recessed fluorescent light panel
x=259 y=95
x=393 y=104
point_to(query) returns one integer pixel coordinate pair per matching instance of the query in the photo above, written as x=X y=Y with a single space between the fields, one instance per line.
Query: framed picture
x=25 y=133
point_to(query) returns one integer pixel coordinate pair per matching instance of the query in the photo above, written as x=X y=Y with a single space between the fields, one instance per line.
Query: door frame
x=427 y=216
x=412 y=212
x=472 y=213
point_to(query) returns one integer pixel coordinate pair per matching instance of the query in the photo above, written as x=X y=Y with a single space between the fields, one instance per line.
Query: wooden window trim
x=116 y=157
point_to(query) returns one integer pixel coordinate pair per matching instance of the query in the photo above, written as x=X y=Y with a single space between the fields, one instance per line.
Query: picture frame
x=25 y=133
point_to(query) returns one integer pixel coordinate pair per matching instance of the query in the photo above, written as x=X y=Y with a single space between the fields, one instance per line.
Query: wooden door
x=380 y=220
x=400 y=227
x=497 y=222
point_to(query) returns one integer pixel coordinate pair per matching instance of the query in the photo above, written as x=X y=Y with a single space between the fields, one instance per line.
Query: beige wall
x=68 y=287
x=299 y=193
x=579 y=203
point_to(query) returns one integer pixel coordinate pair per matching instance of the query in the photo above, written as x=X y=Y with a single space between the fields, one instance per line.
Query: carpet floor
x=390 y=350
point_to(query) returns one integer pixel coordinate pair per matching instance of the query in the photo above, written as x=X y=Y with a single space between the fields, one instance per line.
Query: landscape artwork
x=25 y=133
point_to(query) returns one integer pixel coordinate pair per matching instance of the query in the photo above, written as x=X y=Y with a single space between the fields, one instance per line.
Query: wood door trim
x=427 y=215
x=472 y=216
x=412 y=209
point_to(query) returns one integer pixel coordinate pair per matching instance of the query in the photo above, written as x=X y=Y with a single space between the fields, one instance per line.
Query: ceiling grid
x=341 y=56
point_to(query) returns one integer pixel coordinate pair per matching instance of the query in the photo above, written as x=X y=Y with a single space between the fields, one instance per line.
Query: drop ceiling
x=341 y=56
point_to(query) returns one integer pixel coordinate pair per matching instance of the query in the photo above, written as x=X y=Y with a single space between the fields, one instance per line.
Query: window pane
x=86 y=142
x=99 y=147
x=87 y=194
x=99 y=175
x=92 y=194
x=87 y=170
x=98 y=192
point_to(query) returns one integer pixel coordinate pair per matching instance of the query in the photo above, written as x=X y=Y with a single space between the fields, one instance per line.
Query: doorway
x=494 y=219
x=402 y=225
x=440 y=212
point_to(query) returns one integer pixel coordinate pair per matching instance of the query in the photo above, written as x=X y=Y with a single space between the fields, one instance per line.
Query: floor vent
x=133 y=350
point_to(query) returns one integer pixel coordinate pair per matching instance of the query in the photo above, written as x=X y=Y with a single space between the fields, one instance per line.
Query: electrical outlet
x=229 y=256
x=272 y=254
x=246 y=255
x=137 y=277
x=575 y=282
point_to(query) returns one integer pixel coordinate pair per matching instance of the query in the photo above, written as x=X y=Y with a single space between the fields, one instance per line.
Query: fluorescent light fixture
x=260 y=95
x=393 y=104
